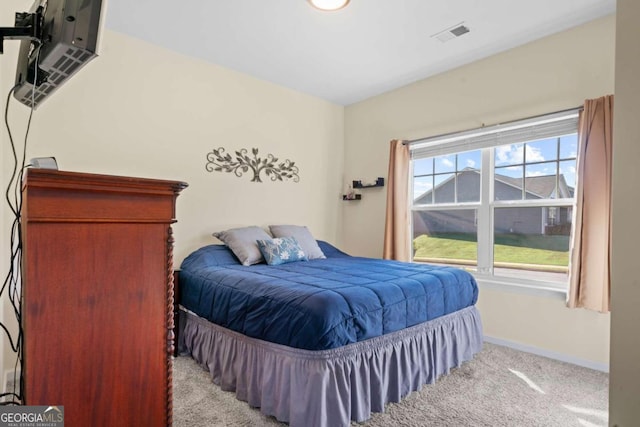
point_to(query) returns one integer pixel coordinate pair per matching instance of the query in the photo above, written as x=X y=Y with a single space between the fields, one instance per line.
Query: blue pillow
x=281 y=250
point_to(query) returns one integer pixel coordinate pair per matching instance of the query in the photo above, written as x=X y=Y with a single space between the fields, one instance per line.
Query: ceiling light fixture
x=329 y=5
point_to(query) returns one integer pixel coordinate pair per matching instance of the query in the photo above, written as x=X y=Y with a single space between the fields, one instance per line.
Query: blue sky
x=508 y=161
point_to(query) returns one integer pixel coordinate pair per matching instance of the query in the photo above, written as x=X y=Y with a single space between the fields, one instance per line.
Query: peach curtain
x=396 y=228
x=590 y=266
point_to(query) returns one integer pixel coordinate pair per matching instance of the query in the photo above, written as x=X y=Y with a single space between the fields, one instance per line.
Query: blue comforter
x=323 y=303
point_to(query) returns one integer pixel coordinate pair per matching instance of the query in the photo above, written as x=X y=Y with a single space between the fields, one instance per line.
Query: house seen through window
x=499 y=209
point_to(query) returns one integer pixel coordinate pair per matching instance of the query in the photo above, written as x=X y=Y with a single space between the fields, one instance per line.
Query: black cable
x=9 y=187
x=18 y=187
x=13 y=151
x=14 y=276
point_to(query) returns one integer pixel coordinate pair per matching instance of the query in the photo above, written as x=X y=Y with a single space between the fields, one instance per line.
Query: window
x=498 y=201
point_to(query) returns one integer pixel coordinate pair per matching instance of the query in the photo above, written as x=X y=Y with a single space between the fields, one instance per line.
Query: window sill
x=513 y=285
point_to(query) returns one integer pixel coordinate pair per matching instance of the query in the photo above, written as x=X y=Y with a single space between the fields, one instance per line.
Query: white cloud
x=534 y=154
x=511 y=171
x=471 y=163
x=508 y=154
x=448 y=163
x=539 y=172
x=503 y=154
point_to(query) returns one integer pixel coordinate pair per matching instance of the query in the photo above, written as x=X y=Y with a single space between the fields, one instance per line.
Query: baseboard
x=604 y=367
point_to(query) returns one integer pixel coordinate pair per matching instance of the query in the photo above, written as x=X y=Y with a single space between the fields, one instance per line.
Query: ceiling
x=367 y=48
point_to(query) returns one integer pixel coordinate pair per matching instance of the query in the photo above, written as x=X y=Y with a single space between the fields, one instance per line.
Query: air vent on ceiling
x=451 y=32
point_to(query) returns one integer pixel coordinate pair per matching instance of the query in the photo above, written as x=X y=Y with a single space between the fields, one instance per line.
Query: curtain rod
x=411 y=141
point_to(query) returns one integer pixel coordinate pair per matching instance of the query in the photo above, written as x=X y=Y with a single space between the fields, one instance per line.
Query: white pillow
x=302 y=235
x=242 y=242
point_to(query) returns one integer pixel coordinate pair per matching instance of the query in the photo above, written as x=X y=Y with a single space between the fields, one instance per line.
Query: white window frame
x=486 y=140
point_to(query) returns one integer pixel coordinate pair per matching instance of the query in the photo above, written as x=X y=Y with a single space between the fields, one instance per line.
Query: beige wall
x=551 y=74
x=624 y=404
x=141 y=110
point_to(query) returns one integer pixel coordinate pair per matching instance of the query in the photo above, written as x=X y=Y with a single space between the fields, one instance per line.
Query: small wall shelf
x=355 y=197
x=379 y=183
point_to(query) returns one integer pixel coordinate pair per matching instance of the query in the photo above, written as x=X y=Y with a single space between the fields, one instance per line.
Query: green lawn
x=511 y=248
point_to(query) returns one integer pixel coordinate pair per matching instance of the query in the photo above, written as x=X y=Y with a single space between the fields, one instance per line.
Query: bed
x=326 y=341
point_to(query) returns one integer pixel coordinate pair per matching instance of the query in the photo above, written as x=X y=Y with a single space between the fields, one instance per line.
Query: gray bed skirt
x=331 y=387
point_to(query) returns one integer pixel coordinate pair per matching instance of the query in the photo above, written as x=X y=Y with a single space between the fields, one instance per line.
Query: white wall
x=624 y=386
x=140 y=110
x=551 y=74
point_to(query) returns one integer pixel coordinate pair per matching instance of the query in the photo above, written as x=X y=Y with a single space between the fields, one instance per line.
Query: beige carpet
x=500 y=387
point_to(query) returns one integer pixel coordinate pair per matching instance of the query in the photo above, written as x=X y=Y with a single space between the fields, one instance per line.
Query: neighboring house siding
x=468 y=187
x=504 y=191
x=518 y=220
x=506 y=220
x=444 y=193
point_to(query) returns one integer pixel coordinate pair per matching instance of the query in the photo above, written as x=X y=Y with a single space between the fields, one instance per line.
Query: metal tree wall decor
x=219 y=161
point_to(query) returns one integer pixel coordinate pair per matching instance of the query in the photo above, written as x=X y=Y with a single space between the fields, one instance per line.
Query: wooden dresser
x=97 y=308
